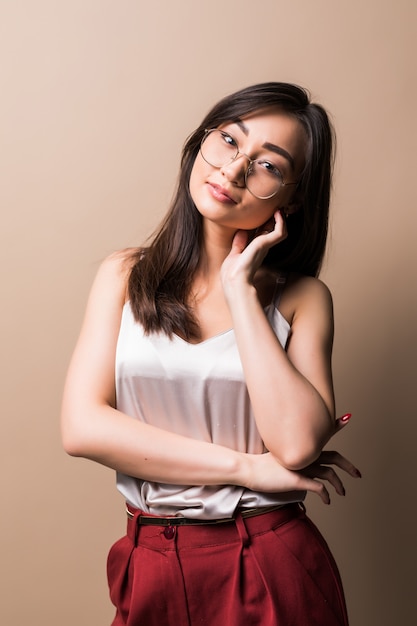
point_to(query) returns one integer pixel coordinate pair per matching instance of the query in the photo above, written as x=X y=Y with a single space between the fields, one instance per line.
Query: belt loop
x=133 y=526
x=302 y=506
x=241 y=529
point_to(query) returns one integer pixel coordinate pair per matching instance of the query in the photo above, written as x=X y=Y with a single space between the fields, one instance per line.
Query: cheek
x=265 y=214
x=196 y=176
x=253 y=219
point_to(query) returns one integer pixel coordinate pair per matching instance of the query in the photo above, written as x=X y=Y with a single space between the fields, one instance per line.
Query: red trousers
x=274 y=569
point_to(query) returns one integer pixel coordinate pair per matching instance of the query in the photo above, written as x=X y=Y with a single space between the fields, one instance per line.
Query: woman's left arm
x=291 y=391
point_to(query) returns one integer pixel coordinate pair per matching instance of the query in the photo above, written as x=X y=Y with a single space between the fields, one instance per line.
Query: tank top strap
x=279 y=288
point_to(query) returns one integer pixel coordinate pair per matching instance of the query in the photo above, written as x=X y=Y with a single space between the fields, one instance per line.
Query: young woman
x=202 y=375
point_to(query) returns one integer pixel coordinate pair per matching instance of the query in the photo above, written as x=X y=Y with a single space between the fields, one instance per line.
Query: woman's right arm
x=94 y=429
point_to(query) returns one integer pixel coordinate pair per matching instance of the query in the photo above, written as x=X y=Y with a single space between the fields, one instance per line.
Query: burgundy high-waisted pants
x=274 y=569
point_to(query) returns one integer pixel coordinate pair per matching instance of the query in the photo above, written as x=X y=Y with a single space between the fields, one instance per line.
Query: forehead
x=271 y=127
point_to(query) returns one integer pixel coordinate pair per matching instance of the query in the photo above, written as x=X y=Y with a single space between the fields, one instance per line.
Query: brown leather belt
x=149 y=520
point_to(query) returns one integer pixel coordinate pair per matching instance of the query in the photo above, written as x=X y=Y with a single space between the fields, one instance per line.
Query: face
x=220 y=193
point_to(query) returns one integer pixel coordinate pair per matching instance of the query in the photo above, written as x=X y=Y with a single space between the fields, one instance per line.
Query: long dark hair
x=162 y=272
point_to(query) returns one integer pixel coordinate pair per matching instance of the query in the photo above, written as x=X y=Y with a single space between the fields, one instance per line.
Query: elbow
x=297 y=457
x=85 y=429
x=73 y=435
x=296 y=452
x=72 y=442
x=72 y=447
x=299 y=460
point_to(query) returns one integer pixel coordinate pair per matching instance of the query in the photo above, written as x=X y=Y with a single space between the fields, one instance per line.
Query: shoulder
x=120 y=262
x=306 y=295
x=304 y=288
x=111 y=281
x=117 y=266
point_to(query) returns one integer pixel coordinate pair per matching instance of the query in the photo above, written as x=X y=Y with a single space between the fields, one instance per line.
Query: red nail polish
x=346 y=418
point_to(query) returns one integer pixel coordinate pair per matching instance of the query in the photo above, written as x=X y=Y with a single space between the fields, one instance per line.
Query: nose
x=235 y=171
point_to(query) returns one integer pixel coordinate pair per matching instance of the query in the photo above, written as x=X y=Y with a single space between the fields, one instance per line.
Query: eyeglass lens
x=262 y=178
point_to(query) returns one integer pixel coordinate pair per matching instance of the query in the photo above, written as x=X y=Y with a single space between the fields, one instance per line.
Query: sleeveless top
x=195 y=390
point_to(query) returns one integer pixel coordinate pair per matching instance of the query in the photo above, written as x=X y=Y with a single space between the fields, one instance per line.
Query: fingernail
x=357 y=473
x=346 y=418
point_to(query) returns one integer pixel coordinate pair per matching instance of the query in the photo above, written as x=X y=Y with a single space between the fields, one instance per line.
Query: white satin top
x=196 y=390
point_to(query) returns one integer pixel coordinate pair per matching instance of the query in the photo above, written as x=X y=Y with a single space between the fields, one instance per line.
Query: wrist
x=239 y=290
x=240 y=469
x=245 y=470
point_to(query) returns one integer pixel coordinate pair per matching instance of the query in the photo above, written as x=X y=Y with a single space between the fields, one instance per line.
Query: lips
x=220 y=193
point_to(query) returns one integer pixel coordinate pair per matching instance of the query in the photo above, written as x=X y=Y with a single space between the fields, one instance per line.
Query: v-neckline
x=204 y=341
x=223 y=333
x=220 y=334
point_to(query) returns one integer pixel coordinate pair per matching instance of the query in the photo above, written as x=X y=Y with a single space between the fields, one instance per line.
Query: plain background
x=96 y=100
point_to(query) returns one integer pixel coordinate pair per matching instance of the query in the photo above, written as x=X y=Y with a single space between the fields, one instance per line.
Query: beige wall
x=93 y=94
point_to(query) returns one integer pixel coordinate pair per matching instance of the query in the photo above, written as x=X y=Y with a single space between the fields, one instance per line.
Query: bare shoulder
x=307 y=288
x=120 y=262
x=113 y=274
x=306 y=294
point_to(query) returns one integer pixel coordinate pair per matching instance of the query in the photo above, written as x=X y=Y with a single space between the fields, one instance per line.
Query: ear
x=293 y=205
x=291 y=208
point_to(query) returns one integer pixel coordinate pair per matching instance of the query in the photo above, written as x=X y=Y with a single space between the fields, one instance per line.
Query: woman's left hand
x=245 y=257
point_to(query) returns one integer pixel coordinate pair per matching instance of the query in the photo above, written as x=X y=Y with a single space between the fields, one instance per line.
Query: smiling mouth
x=220 y=193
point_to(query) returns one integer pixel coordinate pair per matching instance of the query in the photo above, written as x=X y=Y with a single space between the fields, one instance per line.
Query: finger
x=280 y=227
x=273 y=231
x=331 y=457
x=327 y=473
x=317 y=487
x=307 y=483
x=266 y=228
x=240 y=241
x=341 y=422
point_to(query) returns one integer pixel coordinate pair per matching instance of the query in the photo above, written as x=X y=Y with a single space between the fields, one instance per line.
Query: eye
x=228 y=139
x=269 y=167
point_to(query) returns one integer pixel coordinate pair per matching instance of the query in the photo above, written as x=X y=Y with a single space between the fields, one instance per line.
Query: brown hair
x=162 y=272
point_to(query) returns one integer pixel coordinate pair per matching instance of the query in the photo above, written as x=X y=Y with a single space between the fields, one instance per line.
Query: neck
x=217 y=242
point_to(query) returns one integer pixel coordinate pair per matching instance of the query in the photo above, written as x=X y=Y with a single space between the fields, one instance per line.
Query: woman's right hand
x=267 y=475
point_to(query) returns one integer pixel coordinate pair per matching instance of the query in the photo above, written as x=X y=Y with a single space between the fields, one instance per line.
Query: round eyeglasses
x=262 y=178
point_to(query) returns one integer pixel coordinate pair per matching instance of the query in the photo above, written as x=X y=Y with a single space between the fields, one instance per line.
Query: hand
x=244 y=258
x=269 y=476
x=321 y=469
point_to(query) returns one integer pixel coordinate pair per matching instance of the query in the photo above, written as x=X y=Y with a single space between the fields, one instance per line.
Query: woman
x=216 y=339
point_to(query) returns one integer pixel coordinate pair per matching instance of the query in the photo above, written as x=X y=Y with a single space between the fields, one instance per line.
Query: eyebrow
x=267 y=145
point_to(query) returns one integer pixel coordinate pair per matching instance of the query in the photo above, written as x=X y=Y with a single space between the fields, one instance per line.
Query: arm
x=93 y=428
x=291 y=392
